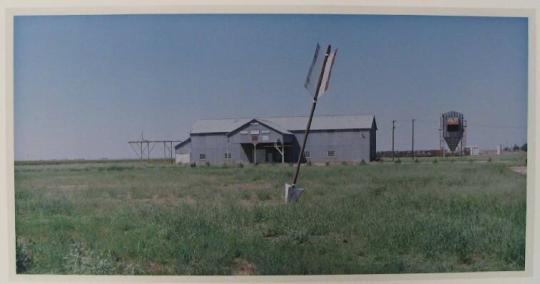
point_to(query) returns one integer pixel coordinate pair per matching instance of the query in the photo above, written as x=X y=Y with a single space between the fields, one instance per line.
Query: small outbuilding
x=277 y=140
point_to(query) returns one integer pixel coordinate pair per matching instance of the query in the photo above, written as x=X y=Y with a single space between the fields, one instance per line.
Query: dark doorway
x=266 y=153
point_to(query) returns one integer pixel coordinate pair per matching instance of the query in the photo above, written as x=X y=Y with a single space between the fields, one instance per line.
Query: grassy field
x=155 y=218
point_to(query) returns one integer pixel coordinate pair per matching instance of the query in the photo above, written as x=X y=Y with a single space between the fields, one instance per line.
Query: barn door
x=261 y=155
x=269 y=157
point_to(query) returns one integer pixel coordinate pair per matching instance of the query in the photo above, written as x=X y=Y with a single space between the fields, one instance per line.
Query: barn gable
x=260 y=130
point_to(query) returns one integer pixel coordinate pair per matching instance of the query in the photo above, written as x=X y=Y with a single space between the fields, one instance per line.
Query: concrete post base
x=292 y=193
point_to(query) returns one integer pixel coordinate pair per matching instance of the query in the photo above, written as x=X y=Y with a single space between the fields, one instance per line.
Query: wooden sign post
x=322 y=74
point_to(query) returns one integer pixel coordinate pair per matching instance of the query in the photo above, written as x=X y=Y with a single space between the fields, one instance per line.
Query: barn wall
x=373 y=144
x=349 y=145
x=214 y=146
x=182 y=151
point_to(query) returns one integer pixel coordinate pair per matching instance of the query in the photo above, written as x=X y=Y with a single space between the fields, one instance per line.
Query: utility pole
x=412 y=150
x=393 y=130
x=464 y=139
x=441 y=140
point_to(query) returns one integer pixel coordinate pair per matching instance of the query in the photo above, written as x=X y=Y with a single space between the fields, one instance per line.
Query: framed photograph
x=269 y=142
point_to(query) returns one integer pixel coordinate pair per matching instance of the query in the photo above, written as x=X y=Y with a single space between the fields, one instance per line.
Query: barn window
x=265 y=131
x=307 y=154
x=244 y=132
x=255 y=132
x=227 y=155
x=331 y=153
x=202 y=156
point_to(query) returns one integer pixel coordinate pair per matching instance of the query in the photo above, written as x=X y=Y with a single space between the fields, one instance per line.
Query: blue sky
x=85 y=85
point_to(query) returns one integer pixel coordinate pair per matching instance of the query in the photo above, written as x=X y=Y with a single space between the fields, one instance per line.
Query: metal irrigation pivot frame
x=322 y=73
x=144 y=147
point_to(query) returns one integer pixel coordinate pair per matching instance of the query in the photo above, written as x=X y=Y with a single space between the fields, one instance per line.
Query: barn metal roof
x=293 y=123
x=182 y=143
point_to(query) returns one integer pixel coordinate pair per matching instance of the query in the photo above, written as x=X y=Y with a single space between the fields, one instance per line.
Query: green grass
x=123 y=217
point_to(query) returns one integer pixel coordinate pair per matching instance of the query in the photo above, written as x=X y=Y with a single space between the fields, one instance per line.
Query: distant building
x=453 y=129
x=278 y=139
x=473 y=150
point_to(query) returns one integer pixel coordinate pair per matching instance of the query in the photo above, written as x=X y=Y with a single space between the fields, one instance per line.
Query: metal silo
x=453 y=127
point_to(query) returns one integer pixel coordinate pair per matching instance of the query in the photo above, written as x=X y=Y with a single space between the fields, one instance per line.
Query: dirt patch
x=155 y=268
x=159 y=199
x=68 y=187
x=522 y=170
x=243 y=267
x=188 y=200
x=252 y=186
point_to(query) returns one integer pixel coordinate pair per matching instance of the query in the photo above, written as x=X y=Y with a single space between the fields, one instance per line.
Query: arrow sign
x=315 y=72
x=325 y=83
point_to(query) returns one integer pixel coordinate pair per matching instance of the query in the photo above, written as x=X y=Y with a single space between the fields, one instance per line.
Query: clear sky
x=85 y=85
